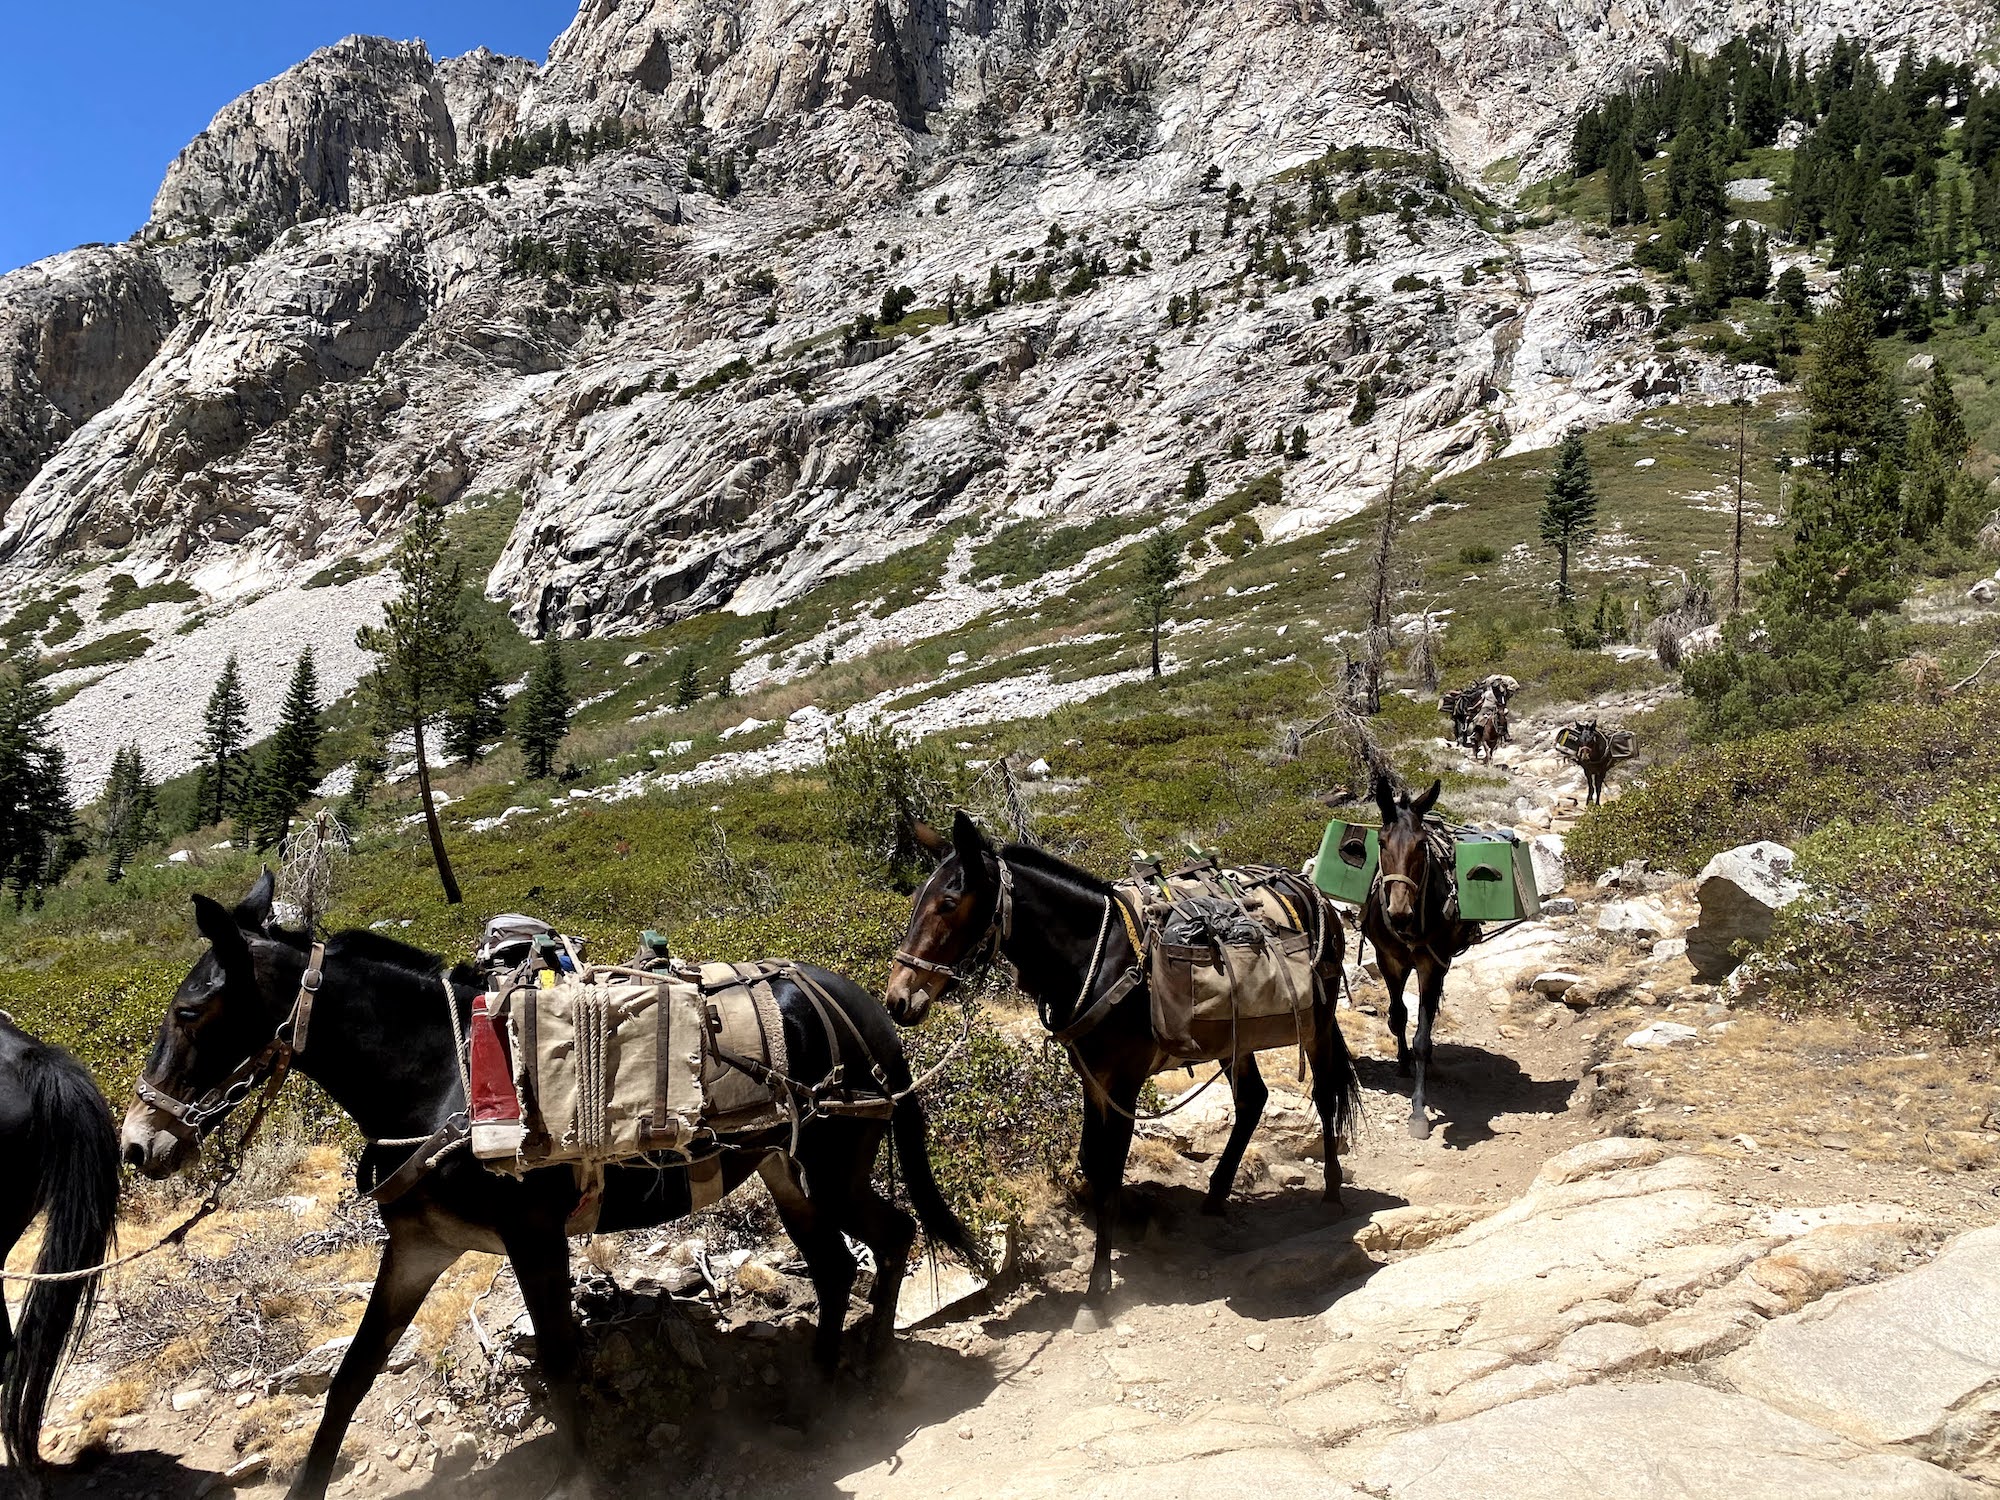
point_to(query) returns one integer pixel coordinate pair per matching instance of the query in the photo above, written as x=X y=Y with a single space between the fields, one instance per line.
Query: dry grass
x=1909 y=1101
x=444 y=1312
x=95 y=1411
x=280 y=1427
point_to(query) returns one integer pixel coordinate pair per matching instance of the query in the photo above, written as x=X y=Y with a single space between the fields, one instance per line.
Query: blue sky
x=96 y=96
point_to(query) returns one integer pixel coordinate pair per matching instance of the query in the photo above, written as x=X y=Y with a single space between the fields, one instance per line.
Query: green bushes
x=1903 y=923
x=1890 y=759
x=877 y=782
x=123 y=595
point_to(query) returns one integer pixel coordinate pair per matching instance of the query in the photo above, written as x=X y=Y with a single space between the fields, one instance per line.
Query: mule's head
x=221 y=1016
x=1406 y=856
x=949 y=920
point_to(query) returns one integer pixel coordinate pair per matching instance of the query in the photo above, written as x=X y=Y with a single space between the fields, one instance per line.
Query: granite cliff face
x=355 y=124
x=654 y=340
x=75 y=331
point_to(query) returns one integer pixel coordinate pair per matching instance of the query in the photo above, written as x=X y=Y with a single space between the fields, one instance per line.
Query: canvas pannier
x=611 y=1063
x=1227 y=947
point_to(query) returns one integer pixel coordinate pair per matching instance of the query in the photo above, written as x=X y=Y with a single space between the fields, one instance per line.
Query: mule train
x=514 y=1102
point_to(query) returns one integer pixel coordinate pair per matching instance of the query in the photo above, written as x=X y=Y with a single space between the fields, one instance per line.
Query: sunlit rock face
x=328 y=318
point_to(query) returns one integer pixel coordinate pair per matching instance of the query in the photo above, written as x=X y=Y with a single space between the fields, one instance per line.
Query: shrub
x=1887 y=759
x=876 y=782
x=1903 y=922
x=1478 y=555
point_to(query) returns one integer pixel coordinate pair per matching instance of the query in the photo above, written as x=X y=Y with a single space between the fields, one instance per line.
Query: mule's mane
x=373 y=947
x=1056 y=868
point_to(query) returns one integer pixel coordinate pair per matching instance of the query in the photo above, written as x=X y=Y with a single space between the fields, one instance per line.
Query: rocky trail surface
x=1542 y=1299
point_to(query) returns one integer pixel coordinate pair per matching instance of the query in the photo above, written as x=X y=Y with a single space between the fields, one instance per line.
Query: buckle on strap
x=309 y=983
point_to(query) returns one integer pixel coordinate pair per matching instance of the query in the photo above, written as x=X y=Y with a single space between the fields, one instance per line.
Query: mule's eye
x=187 y=1016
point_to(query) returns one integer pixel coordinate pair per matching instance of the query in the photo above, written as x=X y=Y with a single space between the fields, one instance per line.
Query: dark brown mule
x=1072 y=951
x=1485 y=734
x=1414 y=929
x=1591 y=750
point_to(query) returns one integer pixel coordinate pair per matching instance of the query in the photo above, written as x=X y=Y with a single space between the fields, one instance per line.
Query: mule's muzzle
x=910 y=995
x=150 y=1147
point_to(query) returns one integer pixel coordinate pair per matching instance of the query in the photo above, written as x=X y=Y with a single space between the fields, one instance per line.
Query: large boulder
x=1545 y=851
x=1740 y=892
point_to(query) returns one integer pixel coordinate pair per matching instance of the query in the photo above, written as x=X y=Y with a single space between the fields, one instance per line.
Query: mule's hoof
x=1420 y=1127
x=1086 y=1321
x=1215 y=1205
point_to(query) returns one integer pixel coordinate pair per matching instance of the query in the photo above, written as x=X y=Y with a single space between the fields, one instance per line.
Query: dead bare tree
x=1375 y=654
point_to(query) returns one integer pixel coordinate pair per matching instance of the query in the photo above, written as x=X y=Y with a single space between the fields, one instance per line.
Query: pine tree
x=37 y=822
x=129 y=807
x=543 y=717
x=290 y=768
x=1298 y=445
x=1847 y=394
x=1196 y=484
x=1569 y=506
x=1938 y=444
x=687 y=687
x=1158 y=585
x=224 y=725
x=1239 y=445
x=417 y=649
x=477 y=714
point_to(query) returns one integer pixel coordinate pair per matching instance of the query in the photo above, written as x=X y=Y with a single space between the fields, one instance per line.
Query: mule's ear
x=968 y=842
x=219 y=926
x=933 y=843
x=1422 y=806
x=1385 y=800
x=253 y=912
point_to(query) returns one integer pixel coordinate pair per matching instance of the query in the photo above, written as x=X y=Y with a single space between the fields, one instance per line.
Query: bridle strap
x=999 y=928
x=194 y=1119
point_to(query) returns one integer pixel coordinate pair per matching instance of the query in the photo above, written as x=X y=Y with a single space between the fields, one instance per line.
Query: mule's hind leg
x=539 y=1251
x=1332 y=1072
x=814 y=1225
x=411 y=1265
x=1251 y=1094
x=888 y=1232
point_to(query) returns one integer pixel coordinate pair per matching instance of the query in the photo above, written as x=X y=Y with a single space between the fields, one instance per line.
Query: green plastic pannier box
x=1496 y=880
x=1348 y=855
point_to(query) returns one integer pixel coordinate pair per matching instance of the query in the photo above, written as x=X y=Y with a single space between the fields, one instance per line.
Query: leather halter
x=999 y=928
x=193 y=1120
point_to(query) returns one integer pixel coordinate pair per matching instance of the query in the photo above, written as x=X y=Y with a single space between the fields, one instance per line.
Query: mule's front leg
x=540 y=1256
x=411 y=1266
x=1430 y=996
x=1251 y=1095
x=1393 y=979
x=1105 y=1150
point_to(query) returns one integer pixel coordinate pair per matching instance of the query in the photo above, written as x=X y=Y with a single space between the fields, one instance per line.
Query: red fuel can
x=496 y=1107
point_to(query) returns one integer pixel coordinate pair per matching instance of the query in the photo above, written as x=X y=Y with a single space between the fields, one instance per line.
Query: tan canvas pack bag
x=1226 y=949
x=614 y=1063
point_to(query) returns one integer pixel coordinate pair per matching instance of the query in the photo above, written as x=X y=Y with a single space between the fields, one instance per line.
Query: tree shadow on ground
x=1468 y=1088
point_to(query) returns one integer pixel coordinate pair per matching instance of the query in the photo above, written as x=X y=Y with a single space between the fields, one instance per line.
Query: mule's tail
x=1334 y=1078
x=913 y=1132
x=78 y=1195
